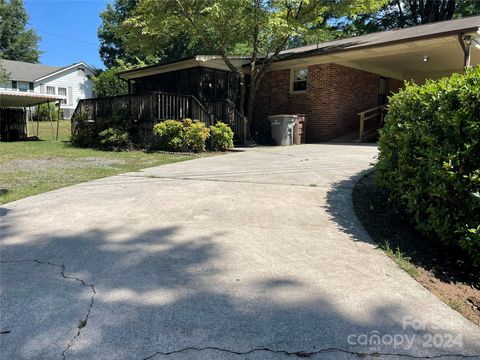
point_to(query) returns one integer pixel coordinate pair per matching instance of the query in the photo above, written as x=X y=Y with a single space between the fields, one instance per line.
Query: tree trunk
x=251 y=102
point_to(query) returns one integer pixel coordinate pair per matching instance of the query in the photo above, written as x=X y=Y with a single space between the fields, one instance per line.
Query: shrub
x=222 y=136
x=175 y=135
x=44 y=112
x=170 y=135
x=429 y=160
x=114 y=139
x=84 y=133
x=195 y=135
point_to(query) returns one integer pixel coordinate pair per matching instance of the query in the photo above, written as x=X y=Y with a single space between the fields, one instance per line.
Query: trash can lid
x=283 y=117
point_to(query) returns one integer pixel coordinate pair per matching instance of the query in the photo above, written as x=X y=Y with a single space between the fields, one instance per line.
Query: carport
x=16 y=109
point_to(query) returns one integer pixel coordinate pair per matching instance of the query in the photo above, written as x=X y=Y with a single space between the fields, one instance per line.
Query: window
x=23 y=87
x=51 y=90
x=62 y=92
x=14 y=85
x=299 y=80
x=30 y=86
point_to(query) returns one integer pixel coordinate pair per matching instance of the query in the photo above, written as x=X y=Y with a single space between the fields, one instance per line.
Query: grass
x=455 y=305
x=32 y=167
x=403 y=261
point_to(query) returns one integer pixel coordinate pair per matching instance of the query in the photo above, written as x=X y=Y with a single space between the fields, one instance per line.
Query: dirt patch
x=58 y=163
x=446 y=272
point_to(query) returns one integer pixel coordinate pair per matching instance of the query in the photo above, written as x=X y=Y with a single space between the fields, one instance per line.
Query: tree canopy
x=17 y=42
x=107 y=83
x=113 y=47
x=403 y=13
x=260 y=28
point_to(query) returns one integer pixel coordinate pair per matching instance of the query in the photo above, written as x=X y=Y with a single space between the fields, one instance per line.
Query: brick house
x=331 y=82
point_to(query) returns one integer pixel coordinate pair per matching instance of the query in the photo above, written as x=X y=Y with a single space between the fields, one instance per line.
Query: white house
x=69 y=83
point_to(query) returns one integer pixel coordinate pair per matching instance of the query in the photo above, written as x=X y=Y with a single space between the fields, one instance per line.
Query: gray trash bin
x=282 y=128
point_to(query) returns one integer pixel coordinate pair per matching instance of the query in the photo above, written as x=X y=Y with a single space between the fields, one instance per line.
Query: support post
x=466 y=43
x=51 y=120
x=58 y=120
x=38 y=121
x=362 y=126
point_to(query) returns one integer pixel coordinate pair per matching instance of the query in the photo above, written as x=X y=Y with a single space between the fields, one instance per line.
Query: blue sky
x=68 y=29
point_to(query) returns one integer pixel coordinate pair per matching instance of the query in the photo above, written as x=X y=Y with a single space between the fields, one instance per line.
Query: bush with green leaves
x=186 y=135
x=114 y=140
x=221 y=136
x=196 y=135
x=45 y=112
x=170 y=135
x=429 y=160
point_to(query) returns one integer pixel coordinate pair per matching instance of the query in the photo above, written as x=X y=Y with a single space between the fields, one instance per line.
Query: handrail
x=372 y=109
x=156 y=106
x=378 y=111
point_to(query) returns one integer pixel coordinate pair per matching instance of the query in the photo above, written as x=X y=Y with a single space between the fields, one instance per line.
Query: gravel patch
x=58 y=163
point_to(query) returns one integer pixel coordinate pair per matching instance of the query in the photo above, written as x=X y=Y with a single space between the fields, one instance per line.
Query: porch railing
x=147 y=109
x=377 y=113
x=226 y=111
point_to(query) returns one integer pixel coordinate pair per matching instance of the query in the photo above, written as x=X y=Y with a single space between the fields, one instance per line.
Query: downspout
x=466 y=43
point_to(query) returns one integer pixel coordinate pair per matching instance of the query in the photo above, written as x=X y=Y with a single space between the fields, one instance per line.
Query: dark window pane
x=300 y=86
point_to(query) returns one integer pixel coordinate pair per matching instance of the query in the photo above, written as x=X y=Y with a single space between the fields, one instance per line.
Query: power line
x=68 y=38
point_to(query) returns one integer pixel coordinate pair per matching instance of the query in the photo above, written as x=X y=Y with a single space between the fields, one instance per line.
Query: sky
x=68 y=29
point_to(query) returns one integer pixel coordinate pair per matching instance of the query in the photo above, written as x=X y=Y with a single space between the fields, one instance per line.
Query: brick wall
x=335 y=94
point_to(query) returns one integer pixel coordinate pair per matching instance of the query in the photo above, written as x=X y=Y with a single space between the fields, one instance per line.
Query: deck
x=142 y=112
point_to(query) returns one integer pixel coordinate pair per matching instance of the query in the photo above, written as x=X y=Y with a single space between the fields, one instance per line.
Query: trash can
x=282 y=128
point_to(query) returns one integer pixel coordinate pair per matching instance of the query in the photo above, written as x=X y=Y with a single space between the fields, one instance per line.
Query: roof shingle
x=23 y=71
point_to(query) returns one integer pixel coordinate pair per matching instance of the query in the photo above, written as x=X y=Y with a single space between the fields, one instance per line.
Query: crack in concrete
x=313 y=186
x=305 y=354
x=81 y=281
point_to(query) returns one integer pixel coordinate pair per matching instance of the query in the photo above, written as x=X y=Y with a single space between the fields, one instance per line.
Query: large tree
x=17 y=42
x=402 y=13
x=112 y=42
x=263 y=28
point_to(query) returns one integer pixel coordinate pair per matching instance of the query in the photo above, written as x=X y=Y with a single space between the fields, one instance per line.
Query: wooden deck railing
x=147 y=109
x=377 y=112
x=226 y=111
x=154 y=106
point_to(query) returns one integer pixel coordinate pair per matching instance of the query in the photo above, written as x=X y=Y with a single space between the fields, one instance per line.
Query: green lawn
x=32 y=167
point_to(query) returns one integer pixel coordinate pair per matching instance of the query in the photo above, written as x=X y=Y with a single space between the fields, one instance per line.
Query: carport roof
x=24 y=99
x=426 y=31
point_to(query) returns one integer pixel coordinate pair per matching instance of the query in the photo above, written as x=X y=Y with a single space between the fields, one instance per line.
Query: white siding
x=77 y=83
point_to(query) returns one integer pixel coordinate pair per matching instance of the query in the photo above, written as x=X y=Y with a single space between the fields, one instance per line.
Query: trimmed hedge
x=429 y=160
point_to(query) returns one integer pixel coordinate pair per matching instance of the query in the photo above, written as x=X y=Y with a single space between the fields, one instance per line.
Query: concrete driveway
x=253 y=255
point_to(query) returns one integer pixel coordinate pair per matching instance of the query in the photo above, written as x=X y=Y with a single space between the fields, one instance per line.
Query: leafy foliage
x=16 y=41
x=402 y=13
x=113 y=49
x=4 y=75
x=107 y=83
x=186 y=135
x=429 y=159
x=44 y=112
x=170 y=135
x=85 y=132
x=196 y=134
x=263 y=28
x=114 y=140
x=221 y=136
